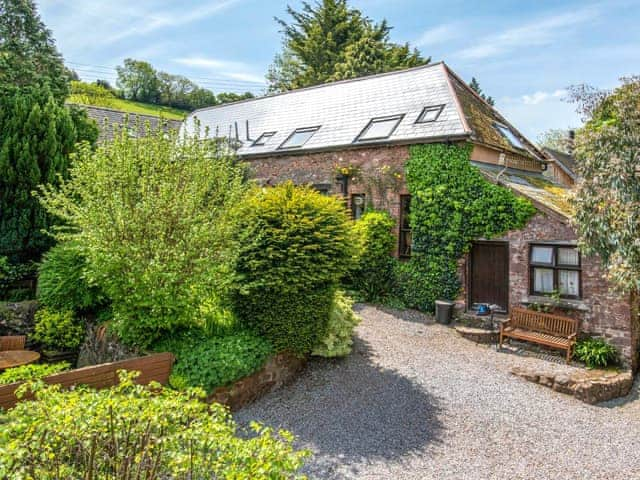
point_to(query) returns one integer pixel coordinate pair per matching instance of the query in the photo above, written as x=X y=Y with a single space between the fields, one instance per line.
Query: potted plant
x=59 y=333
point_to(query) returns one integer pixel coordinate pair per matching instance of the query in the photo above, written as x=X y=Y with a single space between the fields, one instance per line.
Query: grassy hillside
x=129 y=106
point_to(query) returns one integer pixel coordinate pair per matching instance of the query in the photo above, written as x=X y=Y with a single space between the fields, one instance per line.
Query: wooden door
x=489 y=274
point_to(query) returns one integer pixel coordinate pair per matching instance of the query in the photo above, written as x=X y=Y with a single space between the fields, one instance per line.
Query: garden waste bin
x=444 y=310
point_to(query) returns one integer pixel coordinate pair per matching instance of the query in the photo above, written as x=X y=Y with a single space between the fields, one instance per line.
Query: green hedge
x=373 y=275
x=294 y=246
x=210 y=362
x=451 y=205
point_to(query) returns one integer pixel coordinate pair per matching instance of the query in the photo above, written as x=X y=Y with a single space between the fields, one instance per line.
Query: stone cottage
x=352 y=138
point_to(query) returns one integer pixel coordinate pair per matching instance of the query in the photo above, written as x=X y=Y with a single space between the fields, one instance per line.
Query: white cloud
x=539 y=97
x=540 y=32
x=230 y=69
x=437 y=35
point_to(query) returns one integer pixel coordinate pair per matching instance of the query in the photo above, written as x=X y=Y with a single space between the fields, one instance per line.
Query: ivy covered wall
x=451 y=205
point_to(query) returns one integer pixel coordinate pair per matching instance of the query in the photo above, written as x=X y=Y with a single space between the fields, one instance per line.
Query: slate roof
x=545 y=194
x=108 y=118
x=565 y=161
x=343 y=109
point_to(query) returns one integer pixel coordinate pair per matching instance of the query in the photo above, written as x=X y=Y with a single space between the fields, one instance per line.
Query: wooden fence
x=156 y=367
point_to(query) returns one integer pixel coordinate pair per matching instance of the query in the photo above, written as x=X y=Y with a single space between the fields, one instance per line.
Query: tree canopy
x=475 y=86
x=607 y=200
x=28 y=55
x=556 y=139
x=331 y=41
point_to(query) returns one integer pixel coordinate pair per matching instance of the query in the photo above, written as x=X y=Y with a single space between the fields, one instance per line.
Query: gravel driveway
x=415 y=401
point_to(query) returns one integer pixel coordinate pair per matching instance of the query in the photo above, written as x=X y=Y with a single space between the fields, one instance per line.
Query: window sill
x=567 y=304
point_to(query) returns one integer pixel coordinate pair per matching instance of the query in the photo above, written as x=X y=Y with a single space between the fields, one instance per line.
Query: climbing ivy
x=451 y=205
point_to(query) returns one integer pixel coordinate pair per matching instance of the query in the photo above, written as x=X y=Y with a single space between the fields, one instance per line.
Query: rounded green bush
x=58 y=330
x=596 y=353
x=133 y=431
x=294 y=246
x=373 y=275
x=62 y=283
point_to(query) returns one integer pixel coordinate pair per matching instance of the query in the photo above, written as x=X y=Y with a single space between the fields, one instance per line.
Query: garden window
x=430 y=114
x=404 y=247
x=379 y=128
x=299 y=137
x=555 y=269
x=357 y=205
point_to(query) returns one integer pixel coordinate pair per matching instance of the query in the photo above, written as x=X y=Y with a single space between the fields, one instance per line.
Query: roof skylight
x=430 y=114
x=379 y=128
x=263 y=139
x=509 y=135
x=299 y=137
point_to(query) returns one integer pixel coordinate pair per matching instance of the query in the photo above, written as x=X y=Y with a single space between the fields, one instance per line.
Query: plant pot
x=54 y=356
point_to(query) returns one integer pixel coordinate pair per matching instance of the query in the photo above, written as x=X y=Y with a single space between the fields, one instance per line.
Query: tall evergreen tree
x=28 y=55
x=475 y=86
x=37 y=136
x=329 y=41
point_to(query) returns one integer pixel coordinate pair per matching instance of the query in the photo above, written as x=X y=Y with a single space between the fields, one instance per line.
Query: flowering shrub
x=338 y=340
x=130 y=432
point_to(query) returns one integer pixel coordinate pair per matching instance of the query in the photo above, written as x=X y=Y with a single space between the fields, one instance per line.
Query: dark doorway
x=489 y=274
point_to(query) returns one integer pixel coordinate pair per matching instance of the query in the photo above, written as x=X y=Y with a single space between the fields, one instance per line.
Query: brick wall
x=601 y=311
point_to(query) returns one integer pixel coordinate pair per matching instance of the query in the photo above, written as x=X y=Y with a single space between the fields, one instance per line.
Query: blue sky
x=524 y=54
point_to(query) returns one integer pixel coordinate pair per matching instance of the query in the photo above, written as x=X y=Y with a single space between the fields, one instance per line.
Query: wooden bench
x=542 y=328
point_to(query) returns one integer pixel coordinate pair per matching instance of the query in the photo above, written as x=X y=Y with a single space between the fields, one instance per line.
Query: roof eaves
x=555 y=159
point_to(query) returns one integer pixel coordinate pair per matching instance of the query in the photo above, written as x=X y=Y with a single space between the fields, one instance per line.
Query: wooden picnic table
x=15 y=358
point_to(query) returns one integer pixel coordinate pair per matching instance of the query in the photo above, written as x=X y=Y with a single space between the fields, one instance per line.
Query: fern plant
x=596 y=353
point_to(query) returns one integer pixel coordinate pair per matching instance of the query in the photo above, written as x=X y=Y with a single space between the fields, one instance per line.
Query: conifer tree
x=330 y=40
x=475 y=86
x=28 y=55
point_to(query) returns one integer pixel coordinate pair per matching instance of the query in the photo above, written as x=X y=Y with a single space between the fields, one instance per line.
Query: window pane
x=568 y=256
x=543 y=280
x=405 y=211
x=430 y=114
x=510 y=136
x=381 y=128
x=405 y=243
x=299 y=137
x=542 y=255
x=568 y=282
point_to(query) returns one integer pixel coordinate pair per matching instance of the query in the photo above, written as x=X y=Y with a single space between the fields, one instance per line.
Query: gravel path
x=415 y=401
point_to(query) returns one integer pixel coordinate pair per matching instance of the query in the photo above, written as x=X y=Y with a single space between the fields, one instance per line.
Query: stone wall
x=319 y=169
x=278 y=371
x=17 y=318
x=601 y=311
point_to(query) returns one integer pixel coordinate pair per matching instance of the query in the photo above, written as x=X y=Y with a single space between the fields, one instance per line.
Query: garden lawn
x=134 y=107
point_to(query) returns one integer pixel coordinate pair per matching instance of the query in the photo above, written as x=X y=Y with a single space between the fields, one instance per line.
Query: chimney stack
x=570 y=141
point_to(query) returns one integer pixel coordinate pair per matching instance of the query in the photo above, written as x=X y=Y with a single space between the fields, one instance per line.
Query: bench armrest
x=503 y=325
x=572 y=336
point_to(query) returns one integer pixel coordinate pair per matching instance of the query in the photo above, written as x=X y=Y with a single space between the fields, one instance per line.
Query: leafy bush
x=215 y=361
x=373 y=273
x=451 y=205
x=58 y=330
x=130 y=431
x=595 y=352
x=92 y=94
x=31 y=372
x=338 y=340
x=293 y=248
x=62 y=282
x=11 y=275
x=153 y=216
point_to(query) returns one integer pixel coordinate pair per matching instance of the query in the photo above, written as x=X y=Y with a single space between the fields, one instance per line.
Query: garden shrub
x=596 y=353
x=210 y=362
x=338 y=338
x=294 y=246
x=451 y=205
x=11 y=275
x=62 y=282
x=373 y=275
x=31 y=372
x=131 y=431
x=58 y=330
x=153 y=216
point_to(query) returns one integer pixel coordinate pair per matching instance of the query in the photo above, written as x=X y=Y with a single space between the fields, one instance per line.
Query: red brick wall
x=602 y=311
x=319 y=168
